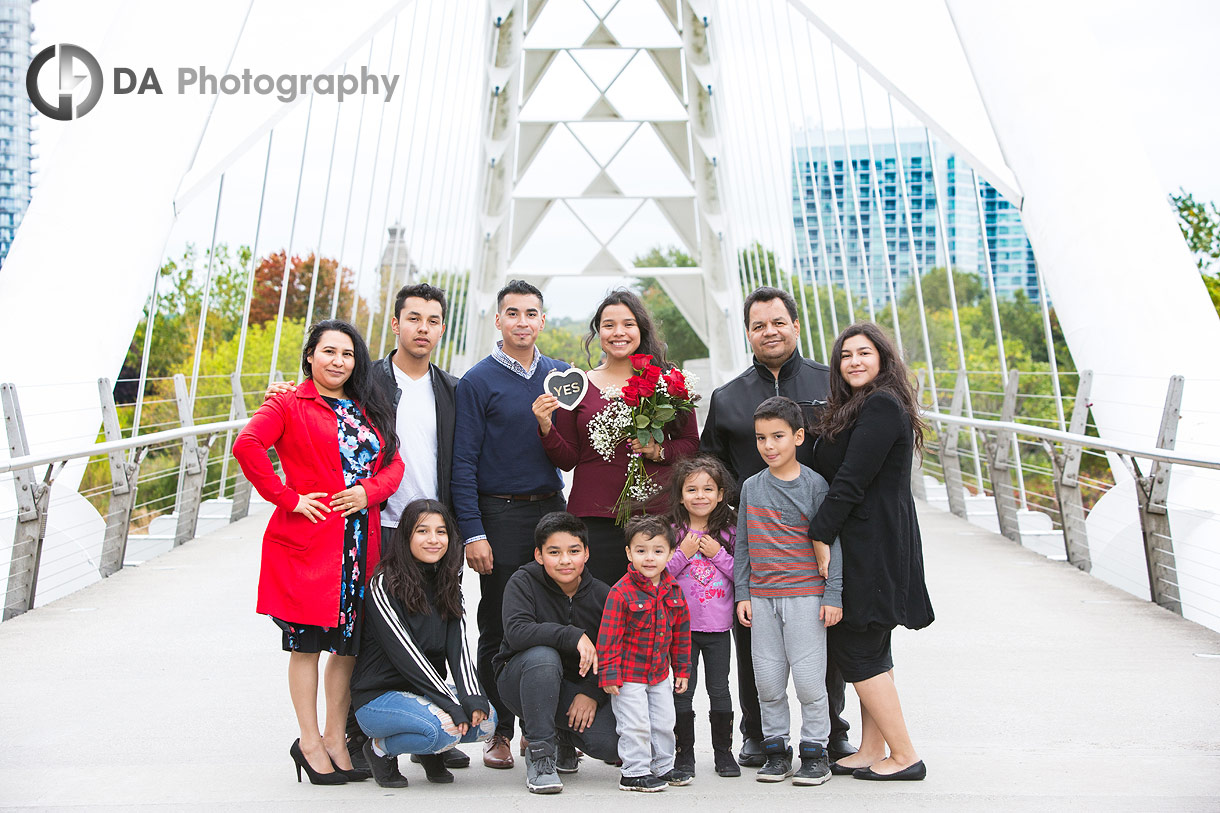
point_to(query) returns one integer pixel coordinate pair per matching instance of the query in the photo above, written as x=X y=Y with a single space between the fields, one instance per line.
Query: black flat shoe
x=911 y=773
x=385 y=769
x=842 y=770
x=315 y=778
x=434 y=768
x=454 y=758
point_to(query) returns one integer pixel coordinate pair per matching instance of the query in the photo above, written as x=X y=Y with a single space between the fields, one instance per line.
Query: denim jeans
x=645 y=716
x=408 y=723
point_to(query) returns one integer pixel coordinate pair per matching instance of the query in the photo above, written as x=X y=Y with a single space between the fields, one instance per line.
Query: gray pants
x=788 y=636
x=645 y=721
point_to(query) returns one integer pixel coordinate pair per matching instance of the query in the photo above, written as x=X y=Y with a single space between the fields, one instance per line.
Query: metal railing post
x=1154 y=515
x=33 y=498
x=241 y=486
x=950 y=460
x=1067 y=480
x=918 y=490
x=191 y=472
x=1000 y=467
x=122 y=490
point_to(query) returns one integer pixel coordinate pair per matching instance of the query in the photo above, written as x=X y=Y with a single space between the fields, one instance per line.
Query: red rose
x=675 y=384
x=631 y=395
x=640 y=361
x=652 y=374
x=646 y=388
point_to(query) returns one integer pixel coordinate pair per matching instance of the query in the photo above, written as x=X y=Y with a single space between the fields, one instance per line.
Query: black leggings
x=716 y=650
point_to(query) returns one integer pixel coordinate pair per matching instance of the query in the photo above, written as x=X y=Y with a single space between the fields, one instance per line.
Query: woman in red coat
x=336 y=441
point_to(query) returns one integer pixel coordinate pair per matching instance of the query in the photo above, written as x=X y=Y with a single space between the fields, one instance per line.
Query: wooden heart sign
x=567 y=385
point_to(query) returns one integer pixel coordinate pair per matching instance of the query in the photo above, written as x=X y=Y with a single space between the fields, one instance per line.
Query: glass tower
x=16 y=114
x=853 y=213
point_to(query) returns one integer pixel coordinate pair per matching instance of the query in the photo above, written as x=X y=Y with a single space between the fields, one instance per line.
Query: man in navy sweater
x=503 y=482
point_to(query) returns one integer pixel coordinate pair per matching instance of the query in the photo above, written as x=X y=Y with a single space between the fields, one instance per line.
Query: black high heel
x=315 y=778
x=352 y=774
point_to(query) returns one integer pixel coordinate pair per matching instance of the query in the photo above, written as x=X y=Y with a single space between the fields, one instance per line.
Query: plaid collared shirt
x=645 y=629
x=511 y=363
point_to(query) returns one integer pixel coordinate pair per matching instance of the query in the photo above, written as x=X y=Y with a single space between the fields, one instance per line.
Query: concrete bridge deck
x=1038 y=688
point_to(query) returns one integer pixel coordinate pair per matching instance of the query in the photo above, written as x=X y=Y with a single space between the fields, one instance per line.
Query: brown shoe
x=523 y=745
x=497 y=753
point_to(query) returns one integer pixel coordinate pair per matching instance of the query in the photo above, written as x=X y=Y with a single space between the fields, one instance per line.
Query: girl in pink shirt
x=705 y=524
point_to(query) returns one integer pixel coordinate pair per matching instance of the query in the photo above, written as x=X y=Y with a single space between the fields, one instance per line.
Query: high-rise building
x=856 y=217
x=16 y=114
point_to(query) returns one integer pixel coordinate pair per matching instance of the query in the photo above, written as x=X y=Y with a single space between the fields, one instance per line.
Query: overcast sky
x=1160 y=55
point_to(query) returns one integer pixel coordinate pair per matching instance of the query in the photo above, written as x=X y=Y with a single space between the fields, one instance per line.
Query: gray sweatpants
x=645 y=721
x=785 y=635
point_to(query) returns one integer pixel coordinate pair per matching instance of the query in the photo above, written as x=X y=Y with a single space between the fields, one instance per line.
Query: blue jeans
x=411 y=724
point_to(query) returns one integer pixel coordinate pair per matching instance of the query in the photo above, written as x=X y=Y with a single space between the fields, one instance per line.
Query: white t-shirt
x=416 y=424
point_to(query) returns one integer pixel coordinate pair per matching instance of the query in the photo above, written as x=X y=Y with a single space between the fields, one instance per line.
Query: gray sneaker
x=815 y=765
x=540 y=773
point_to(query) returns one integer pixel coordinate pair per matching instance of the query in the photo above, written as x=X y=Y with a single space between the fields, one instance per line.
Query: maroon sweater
x=596 y=483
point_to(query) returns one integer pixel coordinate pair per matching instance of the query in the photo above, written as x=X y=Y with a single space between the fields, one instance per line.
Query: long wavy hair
x=359 y=387
x=844 y=404
x=650 y=341
x=723 y=516
x=404 y=578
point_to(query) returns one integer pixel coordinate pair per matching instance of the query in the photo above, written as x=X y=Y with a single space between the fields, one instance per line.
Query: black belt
x=522 y=497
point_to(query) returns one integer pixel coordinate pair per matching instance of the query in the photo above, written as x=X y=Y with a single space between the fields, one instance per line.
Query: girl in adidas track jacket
x=413 y=630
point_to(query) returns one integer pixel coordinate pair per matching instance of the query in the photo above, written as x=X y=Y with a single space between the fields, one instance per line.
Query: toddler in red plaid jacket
x=645 y=631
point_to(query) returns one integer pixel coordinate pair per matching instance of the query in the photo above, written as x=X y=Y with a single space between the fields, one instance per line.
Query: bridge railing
x=1008 y=466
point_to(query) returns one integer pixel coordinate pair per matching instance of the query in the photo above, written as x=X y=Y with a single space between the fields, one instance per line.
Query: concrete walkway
x=1038 y=688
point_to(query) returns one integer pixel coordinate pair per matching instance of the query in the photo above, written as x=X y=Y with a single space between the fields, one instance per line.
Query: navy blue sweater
x=496 y=448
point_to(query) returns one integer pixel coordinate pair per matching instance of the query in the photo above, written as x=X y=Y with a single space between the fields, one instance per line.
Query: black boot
x=684 y=733
x=722 y=743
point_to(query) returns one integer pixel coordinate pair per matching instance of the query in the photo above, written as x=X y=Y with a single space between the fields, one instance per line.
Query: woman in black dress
x=866 y=437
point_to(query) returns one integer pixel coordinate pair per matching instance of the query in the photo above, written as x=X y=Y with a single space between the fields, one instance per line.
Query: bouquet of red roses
x=640 y=411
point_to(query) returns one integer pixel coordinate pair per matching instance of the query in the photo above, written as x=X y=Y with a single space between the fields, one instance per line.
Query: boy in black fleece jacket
x=546 y=669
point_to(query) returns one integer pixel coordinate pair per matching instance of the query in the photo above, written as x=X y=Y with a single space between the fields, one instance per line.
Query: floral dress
x=358 y=447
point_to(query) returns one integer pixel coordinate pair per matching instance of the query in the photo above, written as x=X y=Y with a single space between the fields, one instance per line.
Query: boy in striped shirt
x=782 y=596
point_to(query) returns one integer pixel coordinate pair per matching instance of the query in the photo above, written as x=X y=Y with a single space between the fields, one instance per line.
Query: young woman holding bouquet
x=614 y=473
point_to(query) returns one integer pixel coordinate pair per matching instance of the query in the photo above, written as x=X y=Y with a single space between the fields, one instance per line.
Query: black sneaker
x=778 y=765
x=815 y=765
x=567 y=759
x=645 y=784
x=677 y=777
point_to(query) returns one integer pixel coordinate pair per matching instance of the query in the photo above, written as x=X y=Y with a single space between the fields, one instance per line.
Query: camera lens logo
x=69 y=57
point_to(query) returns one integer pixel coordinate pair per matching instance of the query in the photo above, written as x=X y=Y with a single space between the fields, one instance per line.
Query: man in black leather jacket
x=772 y=327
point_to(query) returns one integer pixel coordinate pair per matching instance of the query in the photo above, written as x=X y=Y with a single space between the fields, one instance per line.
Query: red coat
x=302 y=562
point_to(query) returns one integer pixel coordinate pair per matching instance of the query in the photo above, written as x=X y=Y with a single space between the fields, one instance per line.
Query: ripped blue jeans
x=408 y=723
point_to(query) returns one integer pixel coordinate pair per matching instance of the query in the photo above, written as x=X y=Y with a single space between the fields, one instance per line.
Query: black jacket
x=538 y=613
x=870 y=509
x=729 y=431
x=404 y=652
x=443 y=388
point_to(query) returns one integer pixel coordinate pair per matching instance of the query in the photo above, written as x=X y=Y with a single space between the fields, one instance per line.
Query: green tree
x=684 y=344
x=1200 y=226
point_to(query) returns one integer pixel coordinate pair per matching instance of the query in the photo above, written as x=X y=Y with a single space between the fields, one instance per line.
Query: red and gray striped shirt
x=774 y=557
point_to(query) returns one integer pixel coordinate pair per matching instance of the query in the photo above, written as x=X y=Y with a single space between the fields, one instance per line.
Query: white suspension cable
x=279 y=319
x=849 y=165
x=351 y=190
